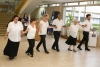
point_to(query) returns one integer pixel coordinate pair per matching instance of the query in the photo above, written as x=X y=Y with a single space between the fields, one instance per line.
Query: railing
x=21 y=4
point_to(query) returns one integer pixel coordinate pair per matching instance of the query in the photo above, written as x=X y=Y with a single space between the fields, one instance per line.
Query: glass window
x=88 y=2
x=54 y=5
x=44 y=6
x=96 y=2
x=95 y=14
x=65 y=4
x=72 y=4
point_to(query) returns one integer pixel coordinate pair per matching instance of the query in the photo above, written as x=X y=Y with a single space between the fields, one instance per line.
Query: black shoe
x=53 y=49
x=79 y=48
x=38 y=50
x=31 y=55
x=74 y=51
x=87 y=49
x=46 y=52
x=69 y=49
x=27 y=53
x=58 y=50
x=11 y=58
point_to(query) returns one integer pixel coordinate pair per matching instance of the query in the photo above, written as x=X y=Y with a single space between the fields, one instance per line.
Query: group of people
x=15 y=31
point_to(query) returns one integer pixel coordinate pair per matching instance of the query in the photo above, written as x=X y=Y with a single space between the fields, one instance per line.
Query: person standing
x=58 y=23
x=43 y=25
x=14 y=31
x=71 y=41
x=20 y=19
x=31 y=29
x=25 y=20
x=87 y=27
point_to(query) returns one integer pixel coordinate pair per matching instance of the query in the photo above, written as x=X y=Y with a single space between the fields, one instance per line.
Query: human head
x=33 y=21
x=15 y=18
x=88 y=16
x=25 y=15
x=75 y=21
x=59 y=15
x=45 y=17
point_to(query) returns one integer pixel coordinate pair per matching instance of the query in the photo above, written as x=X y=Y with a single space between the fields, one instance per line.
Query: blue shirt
x=26 y=19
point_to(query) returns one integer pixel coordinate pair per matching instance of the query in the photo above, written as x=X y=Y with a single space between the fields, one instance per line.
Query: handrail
x=21 y=4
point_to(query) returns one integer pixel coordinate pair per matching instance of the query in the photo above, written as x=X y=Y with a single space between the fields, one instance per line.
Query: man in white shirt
x=58 y=23
x=87 y=26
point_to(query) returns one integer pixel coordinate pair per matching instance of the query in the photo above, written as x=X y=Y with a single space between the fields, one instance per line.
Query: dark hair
x=88 y=15
x=24 y=15
x=58 y=13
x=12 y=19
x=32 y=19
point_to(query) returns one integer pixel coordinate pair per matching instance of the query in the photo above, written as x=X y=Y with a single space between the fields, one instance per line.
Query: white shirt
x=31 y=32
x=15 y=31
x=58 y=23
x=88 y=27
x=74 y=30
x=44 y=27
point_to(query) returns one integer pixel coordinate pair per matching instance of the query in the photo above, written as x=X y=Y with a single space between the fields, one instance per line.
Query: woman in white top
x=43 y=25
x=73 y=35
x=31 y=29
x=14 y=31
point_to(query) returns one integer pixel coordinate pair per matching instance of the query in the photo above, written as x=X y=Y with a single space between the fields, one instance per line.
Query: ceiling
x=60 y=1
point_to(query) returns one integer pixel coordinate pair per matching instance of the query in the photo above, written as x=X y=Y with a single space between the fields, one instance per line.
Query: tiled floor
x=63 y=58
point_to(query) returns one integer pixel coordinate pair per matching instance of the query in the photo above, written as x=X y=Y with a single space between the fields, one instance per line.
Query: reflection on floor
x=63 y=58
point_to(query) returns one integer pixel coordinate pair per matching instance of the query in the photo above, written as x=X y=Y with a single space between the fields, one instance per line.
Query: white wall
x=37 y=12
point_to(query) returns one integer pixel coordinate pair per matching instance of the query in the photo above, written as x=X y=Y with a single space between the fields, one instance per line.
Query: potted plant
x=68 y=22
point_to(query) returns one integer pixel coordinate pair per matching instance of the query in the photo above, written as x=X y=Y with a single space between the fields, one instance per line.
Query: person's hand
x=40 y=31
x=21 y=36
x=55 y=26
x=5 y=37
x=23 y=32
x=85 y=25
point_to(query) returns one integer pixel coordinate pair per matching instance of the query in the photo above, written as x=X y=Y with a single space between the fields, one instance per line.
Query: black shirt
x=20 y=19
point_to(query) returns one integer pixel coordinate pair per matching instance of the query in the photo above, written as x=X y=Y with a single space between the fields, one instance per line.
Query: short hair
x=45 y=15
x=88 y=15
x=58 y=13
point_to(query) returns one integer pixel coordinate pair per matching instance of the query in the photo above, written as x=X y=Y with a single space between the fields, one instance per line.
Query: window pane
x=95 y=14
x=88 y=2
x=72 y=4
x=96 y=2
x=54 y=4
x=79 y=12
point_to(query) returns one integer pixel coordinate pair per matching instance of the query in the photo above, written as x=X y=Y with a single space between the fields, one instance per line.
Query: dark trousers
x=85 y=38
x=56 y=37
x=42 y=41
x=31 y=46
x=25 y=27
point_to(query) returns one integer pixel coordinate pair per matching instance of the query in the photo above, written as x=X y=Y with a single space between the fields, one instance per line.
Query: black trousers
x=85 y=38
x=42 y=41
x=11 y=49
x=56 y=37
x=25 y=27
x=31 y=46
